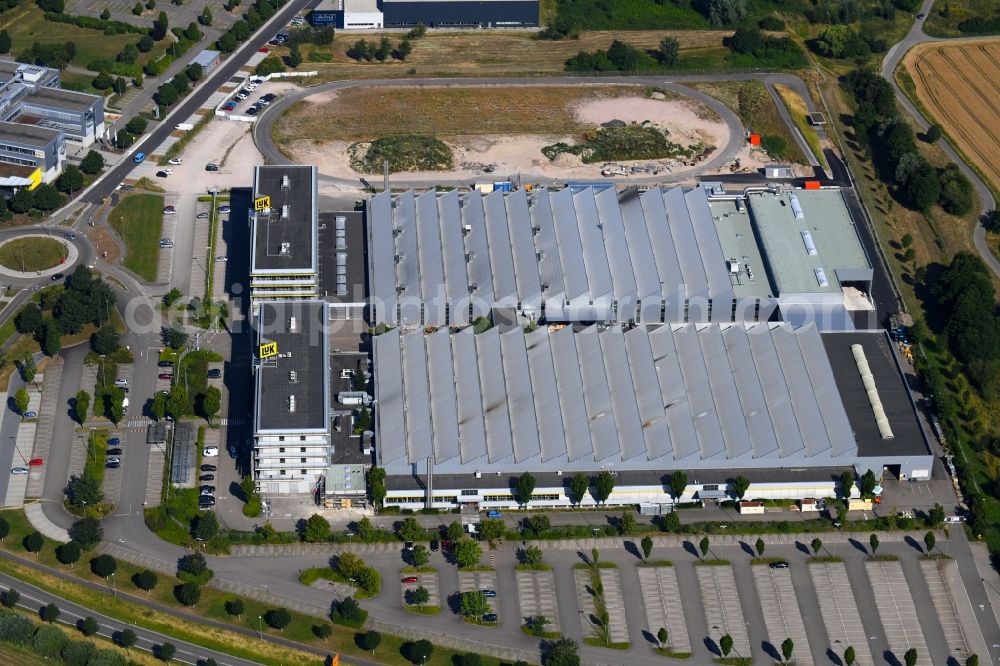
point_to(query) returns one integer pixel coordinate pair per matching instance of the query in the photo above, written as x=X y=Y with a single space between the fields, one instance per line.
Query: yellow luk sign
x=262 y=203
x=269 y=349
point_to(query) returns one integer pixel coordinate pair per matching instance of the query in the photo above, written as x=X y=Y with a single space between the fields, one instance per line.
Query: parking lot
x=536 y=594
x=718 y=590
x=425 y=579
x=935 y=572
x=895 y=607
x=840 y=611
x=661 y=599
x=781 y=611
x=613 y=602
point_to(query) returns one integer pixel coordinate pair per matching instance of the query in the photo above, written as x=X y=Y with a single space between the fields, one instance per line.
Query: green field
x=26 y=25
x=31 y=254
x=138 y=219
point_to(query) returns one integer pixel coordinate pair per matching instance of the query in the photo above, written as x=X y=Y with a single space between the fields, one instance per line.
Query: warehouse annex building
x=376 y=14
x=628 y=335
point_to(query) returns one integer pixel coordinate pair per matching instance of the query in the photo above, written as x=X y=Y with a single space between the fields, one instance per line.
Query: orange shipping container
x=812 y=184
x=755 y=139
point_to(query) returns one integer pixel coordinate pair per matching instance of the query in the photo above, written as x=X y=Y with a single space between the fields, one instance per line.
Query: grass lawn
x=172 y=519
x=78 y=82
x=31 y=254
x=26 y=25
x=799 y=112
x=138 y=219
x=958 y=11
x=10 y=654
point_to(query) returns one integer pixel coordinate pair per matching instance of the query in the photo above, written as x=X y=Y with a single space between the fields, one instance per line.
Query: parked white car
x=19 y=470
x=210 y=452
x=176 y=161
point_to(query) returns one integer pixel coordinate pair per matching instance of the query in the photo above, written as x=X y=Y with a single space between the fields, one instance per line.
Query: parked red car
x=164 y=375
x=410 y=579
x=35 y=462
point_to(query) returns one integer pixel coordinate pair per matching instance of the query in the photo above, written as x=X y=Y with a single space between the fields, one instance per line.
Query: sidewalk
x=40 y=522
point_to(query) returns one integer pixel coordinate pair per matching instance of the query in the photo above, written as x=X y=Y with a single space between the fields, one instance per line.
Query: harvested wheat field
x=959 y=85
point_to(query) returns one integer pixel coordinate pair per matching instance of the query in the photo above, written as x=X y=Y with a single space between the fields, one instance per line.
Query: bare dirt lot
x=502 y=126
x=959 y=84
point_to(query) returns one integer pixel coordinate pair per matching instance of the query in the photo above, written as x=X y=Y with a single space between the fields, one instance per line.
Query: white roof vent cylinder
x=291 y=403
x=284 y=211
x=286 y=182
x=821 y=277
x=796 y=207
x=292 y=324
x=807 y=240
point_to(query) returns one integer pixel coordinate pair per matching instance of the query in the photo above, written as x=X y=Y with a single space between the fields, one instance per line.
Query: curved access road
x=263 y=128
x=893 y=57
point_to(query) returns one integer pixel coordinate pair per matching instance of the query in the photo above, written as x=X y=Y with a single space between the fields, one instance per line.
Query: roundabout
x=36 y=255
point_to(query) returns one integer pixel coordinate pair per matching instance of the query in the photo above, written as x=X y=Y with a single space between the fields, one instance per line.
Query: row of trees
x=240 y=31
x=174 y=89
x=890 y=140
x=622 y=57
x=381 y=51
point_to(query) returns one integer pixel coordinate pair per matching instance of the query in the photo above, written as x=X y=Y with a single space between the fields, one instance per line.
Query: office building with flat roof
x=30 y=155
x=284 y=261
x=30 y=95
x=291 y=397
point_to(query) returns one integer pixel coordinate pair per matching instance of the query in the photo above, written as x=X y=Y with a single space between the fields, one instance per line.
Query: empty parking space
x=613 y=602
x=781 y=611
x=947 y=612
x=840 y=610
x=722 y=606
x=662 y=601
x=895 y=607
x=200 y=255
x=426 y=580
x=46 y=406
x=536 y=594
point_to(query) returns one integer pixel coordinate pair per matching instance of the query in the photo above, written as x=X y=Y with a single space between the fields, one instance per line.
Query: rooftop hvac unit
x=340 y=233
x=341 y=290
x=341 y=243
x=341 y=270
x=473 y=287
x=341 y=222
x=286 y=248
x=796 y=207
x=293 y=377
x=341 y=279
x=734 y=267
x=807 y=240
x=291 y=403
x=292 y=324
x=398 y=258
x=341 y=258
x=466 y=229
x=284 y=211
x=821 y=277
x=396 y=232
x=286 y=182
x=479 y=475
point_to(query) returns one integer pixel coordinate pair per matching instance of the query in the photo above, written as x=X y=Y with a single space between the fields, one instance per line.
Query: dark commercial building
x=29 y=155
x=460 y=13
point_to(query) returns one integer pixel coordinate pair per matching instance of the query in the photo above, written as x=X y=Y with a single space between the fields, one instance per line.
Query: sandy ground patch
x=687 y=121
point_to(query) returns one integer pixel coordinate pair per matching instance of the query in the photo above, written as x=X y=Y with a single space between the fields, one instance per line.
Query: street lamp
x=260 y=626
x=114 y=589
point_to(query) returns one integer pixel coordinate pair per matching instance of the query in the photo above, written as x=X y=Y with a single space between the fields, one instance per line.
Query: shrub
x=278 y=618
x=188 y=594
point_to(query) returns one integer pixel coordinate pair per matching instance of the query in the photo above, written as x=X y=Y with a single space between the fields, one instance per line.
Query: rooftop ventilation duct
x=821 y=277
x=286 y=248
x=291 y=404
x=796 y=207
x=284 y=211
x=286 y=182
x=292 y=324
x=869 y=381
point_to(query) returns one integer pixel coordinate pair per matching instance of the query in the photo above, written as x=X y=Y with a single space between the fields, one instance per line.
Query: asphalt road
x=110 y=180
x=893 y=57
x=262 y=129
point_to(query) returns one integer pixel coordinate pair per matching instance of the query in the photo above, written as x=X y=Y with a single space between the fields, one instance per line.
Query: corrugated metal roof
x=751 y=394
x=709 y=248
x=597 y=395
x=777 y=394
x=685 y=243
x=623 y=267
x=546 y=395
x=640 y=248
x=477 y=247
x=673 y=391
x=456 y=276
x=647 y=394
x=727 y=400
x=520 y=401
x=471 y=425
x=380 y=244
x=499 y=443
x=838 y=426
x=623 y=393
x=526 y=270
x=501 y=255
x=595 y=254
x=417 y=408
x=389 y=390
x=429 y=246
x=570 y=382
x=549 y=268
x=569 y=243
x=444 y=415
x=807 y=413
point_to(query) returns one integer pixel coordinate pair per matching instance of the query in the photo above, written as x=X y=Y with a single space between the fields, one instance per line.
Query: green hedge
x=91 y=23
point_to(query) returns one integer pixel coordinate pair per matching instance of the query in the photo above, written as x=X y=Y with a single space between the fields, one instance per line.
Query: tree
x=369 y=640
x=936 y=515
x=910 y=657
x=317 y=529
x=294 y=58
x=817 y=545
x=89 y=626
x=667 y=53
x=193 y=565
x=177 y=401
x=322 y=631
x=51 y=336
x=409 y=529
x=28 y=319
x=726 y=12
x=166 y=94
x=92 y=162
x=68 y=553
x=474 y=604
x=647 y=547
x=137 y=125
x=22 y=201
x=188 y=594
x=455 y=531
x=166 y=652
x=523 y=488
x=492 y=529
x=703 y=546
x=561 y=652
x=278 y=618
x=849 y=656
x=192 y=32
x=81 y=405
x=678 y=483
x=532 y=556
x=933 y=134
x=605 y=484
x=929 y=541
x=70 y=180
x=418 y=652
x=846 y=484
x=234 y=607
x=11 y=597
x=404 y=49
x=49 y=613
x=160 y=26
x=662 y=636
x=375 y=478
x=467 y=552
x=4 y=529
x=868 y=481
x=145 y=580
x=726 y=645
x=579 y=486
x=87 y=532
x=126 y=638
x=21 y=400
x=205 y=526
x=383 y=50
x=104 y=566
x=84 y=490
x=80 y=653
x=102 y=81
x=206 y=16
x=973 y=660
x=419 y=556
x=740 y=486
x=33 y=542
x=270 y=65
x=873 y=542
x=49 y=642
x=159 y=406
x=760 y=546
x=47 y=198
x=106 y=14
x=104 y=341
x=5 y=42
x=418 y=597
x=786 y=649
